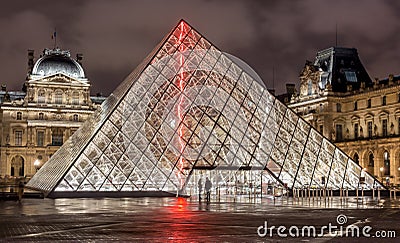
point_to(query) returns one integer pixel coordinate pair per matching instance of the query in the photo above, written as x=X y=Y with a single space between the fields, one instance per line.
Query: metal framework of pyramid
x=190 y=107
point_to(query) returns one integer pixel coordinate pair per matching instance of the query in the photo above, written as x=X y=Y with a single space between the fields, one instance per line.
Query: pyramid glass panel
x=190 y=110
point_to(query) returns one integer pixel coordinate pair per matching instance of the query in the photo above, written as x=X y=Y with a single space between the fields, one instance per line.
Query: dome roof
x=55 y=62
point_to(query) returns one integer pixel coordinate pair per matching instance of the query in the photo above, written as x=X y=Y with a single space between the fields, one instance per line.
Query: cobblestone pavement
x=187 y=220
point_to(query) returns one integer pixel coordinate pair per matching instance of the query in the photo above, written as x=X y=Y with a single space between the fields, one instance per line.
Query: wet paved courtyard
x=231 y=219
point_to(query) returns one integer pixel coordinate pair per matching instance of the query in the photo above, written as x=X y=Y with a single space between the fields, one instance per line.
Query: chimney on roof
x=391 y=78
x=362 y=86
x=290 y=89
x=30 y=60
x=376 y=82
x=79 y=57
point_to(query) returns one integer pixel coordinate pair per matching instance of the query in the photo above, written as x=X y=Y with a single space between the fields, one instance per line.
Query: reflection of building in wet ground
x=10 y=188
x=182 y=220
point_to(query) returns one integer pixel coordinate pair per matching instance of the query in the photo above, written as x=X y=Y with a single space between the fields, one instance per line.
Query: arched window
x=58 y=97
x=356 y=158
x=17 y=166
x=41 y=116
x=384 y=100
x=386 y=163
x=339 y=132
x=75 y=98
x=371 y=160
x=76 y=117
x=41 y=96
x=19 y=115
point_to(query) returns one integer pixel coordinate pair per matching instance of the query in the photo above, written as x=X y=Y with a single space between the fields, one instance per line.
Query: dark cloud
x=115 y=36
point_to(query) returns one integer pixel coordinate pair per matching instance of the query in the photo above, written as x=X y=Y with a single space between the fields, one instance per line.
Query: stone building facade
x=53 y=104
x=362 y=116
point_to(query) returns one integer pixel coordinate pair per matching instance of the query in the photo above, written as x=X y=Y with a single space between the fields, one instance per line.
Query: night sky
x=115 y=36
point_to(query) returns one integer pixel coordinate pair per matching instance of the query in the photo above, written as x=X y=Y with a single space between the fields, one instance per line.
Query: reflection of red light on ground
x=181 y=202
x=180 y=115
x=180 y=228
x=181 y=207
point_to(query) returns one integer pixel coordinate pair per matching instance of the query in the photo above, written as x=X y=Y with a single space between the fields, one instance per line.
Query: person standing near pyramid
x=200 y=187
x=208 y=186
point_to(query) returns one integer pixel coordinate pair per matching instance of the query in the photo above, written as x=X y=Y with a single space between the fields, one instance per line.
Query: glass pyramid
x=190 y=107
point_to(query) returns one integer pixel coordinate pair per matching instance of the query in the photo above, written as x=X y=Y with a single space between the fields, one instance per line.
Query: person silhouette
x=21 y=185
x=208 y=186
x=200 y=187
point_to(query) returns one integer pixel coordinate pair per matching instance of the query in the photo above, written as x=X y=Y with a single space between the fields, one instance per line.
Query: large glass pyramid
x=190 y=107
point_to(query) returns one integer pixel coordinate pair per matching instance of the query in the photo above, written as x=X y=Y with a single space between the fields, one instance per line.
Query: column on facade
x=379 y=168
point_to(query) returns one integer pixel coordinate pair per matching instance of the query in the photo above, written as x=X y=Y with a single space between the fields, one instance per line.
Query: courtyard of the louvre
x=193 y=147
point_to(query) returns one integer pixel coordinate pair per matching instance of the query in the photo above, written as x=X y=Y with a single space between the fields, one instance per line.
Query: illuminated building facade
x=361 y=116
x=189 y=111
x=37 y=121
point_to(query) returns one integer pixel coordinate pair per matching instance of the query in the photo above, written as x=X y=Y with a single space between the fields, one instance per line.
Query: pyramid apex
x=184 y=22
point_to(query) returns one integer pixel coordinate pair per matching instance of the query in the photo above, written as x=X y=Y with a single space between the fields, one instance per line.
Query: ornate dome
x=57 y=61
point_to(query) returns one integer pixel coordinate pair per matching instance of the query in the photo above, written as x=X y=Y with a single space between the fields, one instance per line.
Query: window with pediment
x=58 y=97
x=41 y=96
x=75 y=98
x=40 y=138
x=18 y=138
x=384 y=127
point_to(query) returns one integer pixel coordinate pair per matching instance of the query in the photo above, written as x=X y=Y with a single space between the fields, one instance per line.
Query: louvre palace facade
x=359 y=114
x=36 y=121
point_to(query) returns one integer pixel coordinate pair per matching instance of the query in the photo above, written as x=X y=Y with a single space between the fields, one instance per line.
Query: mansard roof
x=342 y=67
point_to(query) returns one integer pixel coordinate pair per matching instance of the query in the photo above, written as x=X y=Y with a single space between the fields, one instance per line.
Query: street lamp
x=37 y=164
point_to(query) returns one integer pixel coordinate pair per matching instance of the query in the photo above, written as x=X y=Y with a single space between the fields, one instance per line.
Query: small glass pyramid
x=190 y=107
